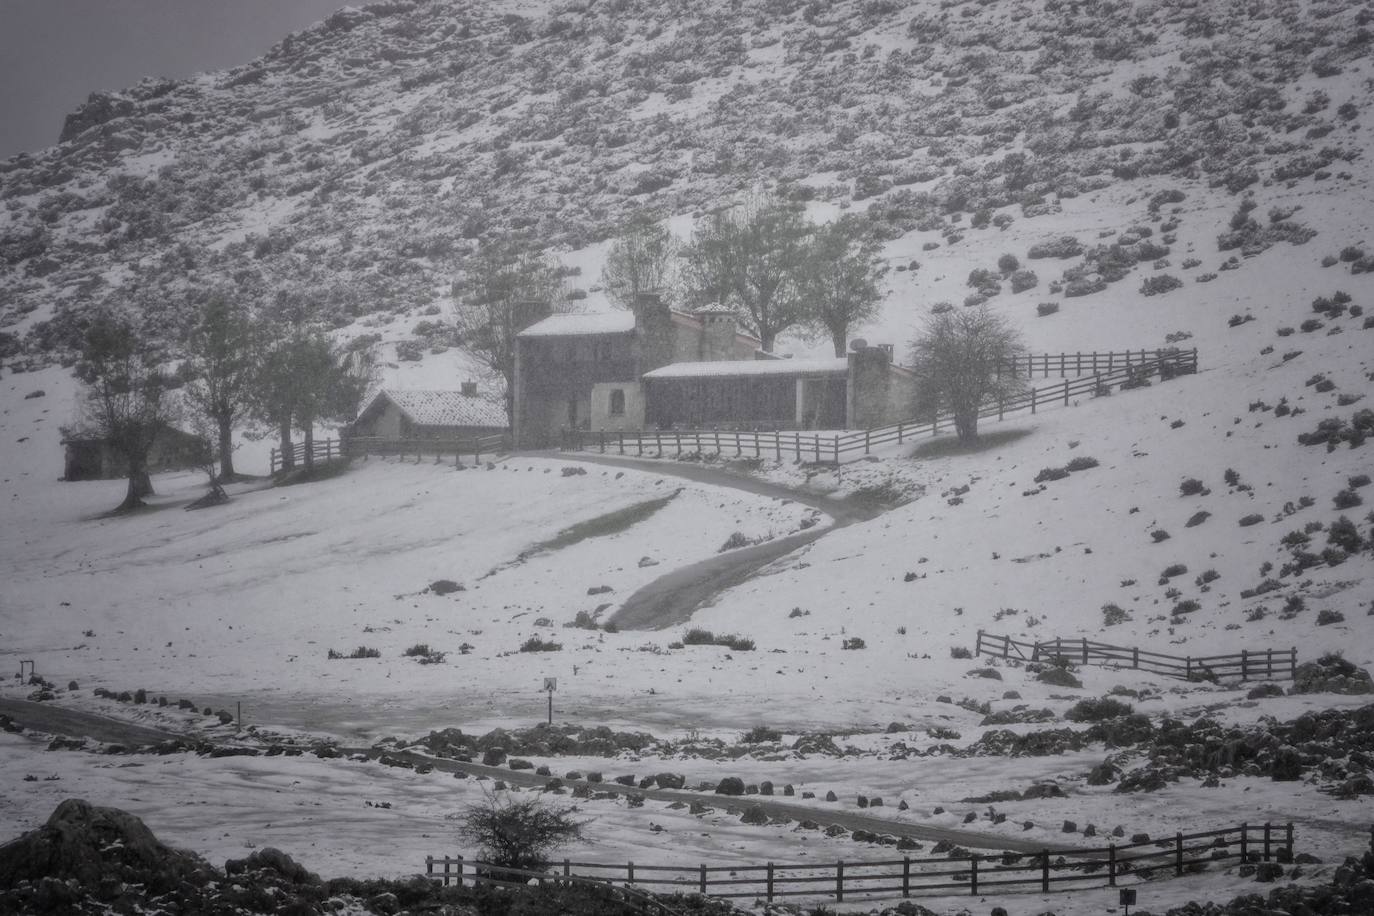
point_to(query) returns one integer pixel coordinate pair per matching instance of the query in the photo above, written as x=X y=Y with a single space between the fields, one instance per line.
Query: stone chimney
x=717 y=332
x=870 y=383
x=654 y=334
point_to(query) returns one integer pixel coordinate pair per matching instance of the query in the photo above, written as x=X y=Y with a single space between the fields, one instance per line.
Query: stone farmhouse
x=394 y=413
x=659 y=368
x=93 y=458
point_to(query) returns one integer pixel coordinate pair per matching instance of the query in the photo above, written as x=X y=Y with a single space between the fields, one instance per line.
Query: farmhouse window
x=617 y=402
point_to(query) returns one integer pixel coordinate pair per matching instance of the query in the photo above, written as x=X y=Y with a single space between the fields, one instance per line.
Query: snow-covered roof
x=445 y=408
x=714 y=308
x=582 y=325
x=742 y=367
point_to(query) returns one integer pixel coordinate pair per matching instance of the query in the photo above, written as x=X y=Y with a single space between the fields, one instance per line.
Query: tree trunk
x=966 y=426
x=766 y=339
x=288 y=460
x=226 y=450
x=837 y=337
x=139 y=486
x=309 y=433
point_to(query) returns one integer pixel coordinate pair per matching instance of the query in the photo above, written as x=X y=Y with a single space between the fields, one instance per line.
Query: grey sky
x=54 y=53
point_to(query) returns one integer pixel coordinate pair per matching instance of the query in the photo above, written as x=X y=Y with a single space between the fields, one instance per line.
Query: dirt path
x=772 y=806
x=50 y=719
x=57 y=720
x=673 y=598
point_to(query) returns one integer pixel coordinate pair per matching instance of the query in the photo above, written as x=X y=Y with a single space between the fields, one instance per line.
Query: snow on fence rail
x=1246 y=664
x=972 y=873
x=362 y=446
x=1079 y=363
x=1130 y=370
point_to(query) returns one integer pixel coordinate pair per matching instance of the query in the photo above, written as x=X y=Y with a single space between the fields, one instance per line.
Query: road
x=47 y=718
x=673 y=597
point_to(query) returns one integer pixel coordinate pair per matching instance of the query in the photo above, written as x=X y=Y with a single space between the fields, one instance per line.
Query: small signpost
x=1127 y=898
x=550 y=685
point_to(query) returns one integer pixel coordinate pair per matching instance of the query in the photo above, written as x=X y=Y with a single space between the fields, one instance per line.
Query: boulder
x=730 y=785
x=754 y=815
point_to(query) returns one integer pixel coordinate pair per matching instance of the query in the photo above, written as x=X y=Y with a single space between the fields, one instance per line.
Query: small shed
x=431 y=414
x=92 y=458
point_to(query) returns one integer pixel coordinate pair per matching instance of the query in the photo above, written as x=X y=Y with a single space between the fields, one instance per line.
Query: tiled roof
x=446 y=408
x=742 y=367
x=582 y=324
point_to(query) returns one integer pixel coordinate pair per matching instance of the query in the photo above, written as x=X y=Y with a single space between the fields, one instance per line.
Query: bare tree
x=517 y=834
x=221 y=351
x=840 y=280
x=752 y=256
x=502 y=292
x=957 y=359
x=272 y=393
x=641 y=260
x=127 y=395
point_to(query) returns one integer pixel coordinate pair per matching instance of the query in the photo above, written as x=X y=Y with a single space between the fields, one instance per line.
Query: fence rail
x=974 y=874
x=363 y=446
x=1065 y=364
x=837 y=448
x=1267 y=663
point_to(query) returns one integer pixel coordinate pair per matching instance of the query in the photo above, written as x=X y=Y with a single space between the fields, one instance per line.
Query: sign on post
x=550 y=685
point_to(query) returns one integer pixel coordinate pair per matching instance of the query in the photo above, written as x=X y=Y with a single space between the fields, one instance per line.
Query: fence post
x=1244 y=842
x=1033 y=395
x=630 y=873
x=1085 y=651
x=1244 y=665
x=899 y=434
x=1266 y=841
x=1293 y=663
x=770 y=882
x=817 y=442
x=1288 y=840
x=460 y=871
x=1066 y=392
x=796 y=444
x=906 y=876
x=867 y=441
x=1135 y=656
x=839 y=881
x=1000 y=407
x=1178 y=853
x=973 y=875
x=1111 y=865
x=777 y=445
x=978 y=644
x=1045 y=871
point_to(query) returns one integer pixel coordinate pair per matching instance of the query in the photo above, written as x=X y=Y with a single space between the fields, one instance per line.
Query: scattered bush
x=1159 y=284
x=535 y=644
x=761 y=734
x=1159 y=535
x=1097 y=710
x=1347 y=499
x=1051 y=474
x=1191 y=486
x=425 y=654
x=1326 y=617
x=1253 y=518
x=1081 y=463
x=1174 y=569
x=1046 y=308
x=853 y=642
x=734 y=541
x=959 y=652
x=360 y=652
x=699 y=637
x=1113 y=615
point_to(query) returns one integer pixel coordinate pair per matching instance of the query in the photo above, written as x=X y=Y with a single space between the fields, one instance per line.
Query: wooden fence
x=838 y=448
x=1065 y=364
x=1245 y=664
x=972 y=873
x=362 y=446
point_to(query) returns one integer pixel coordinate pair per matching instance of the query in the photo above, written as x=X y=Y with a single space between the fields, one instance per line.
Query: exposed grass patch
x=601 y=526
x=944 y=447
